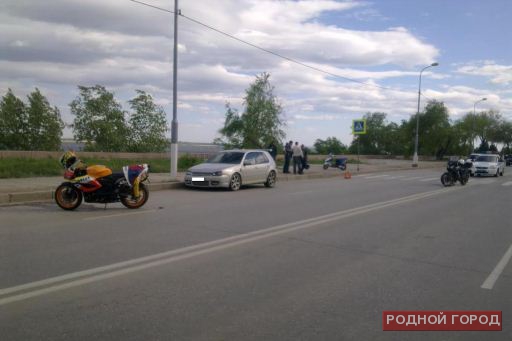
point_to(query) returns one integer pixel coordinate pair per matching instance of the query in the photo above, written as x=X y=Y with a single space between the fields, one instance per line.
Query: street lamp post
x=474 y=121
x=415 y=157
x=174 y=123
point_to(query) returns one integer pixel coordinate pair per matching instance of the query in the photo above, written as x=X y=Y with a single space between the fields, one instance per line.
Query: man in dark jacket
x=272 y=150
x=304 y=157
x=287 y=157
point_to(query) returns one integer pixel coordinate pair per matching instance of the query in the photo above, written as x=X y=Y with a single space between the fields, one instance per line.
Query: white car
x=234 y=168
x=488 y=164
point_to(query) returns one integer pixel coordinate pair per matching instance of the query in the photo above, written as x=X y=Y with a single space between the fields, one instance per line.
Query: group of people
x=299 y=155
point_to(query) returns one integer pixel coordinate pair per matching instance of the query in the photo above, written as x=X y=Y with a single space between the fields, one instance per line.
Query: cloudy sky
x=56 y=45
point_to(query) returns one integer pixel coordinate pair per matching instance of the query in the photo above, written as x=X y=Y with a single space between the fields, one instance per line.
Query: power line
x=152 y=6
x=264 y=49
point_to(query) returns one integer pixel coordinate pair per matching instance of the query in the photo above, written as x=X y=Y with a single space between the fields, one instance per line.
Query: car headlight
x=218 y=173
x=189 y=173
x=492 y=166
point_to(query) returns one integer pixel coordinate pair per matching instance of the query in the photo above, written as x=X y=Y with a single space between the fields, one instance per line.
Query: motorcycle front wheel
x=68 y=197
x=326 y=166
x=446 y=179
x=136 y=202
x=464 y=180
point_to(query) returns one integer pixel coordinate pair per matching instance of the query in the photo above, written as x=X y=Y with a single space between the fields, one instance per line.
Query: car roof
x=243 y=150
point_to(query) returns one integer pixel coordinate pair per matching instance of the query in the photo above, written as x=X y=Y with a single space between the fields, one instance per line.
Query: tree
x=13 y=123
x=435 y=134
x=99 y=120
x=147 y=125
x=330 y=145
x=44 y=123
x=260 y=123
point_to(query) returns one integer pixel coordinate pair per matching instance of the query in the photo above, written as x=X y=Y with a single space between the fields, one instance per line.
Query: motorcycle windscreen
x=133 y=172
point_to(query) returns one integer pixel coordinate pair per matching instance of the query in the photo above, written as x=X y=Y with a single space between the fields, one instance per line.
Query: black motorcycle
x=456 y=171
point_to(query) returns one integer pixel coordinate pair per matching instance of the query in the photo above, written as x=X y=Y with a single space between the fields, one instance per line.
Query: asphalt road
x=307 y=260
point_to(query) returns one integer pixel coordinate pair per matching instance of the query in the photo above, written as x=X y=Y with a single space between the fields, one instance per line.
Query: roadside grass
x=25 y=168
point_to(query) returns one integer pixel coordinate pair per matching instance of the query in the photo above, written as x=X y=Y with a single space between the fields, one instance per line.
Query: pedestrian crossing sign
x=359 y=127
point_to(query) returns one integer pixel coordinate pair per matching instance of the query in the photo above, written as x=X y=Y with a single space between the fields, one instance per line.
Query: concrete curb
x=45 y=196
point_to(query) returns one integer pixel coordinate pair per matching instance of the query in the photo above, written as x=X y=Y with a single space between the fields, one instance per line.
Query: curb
x=45 y=196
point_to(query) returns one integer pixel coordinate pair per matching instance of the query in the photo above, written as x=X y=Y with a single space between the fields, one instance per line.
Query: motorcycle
x=456 y=171
x=334 y=162
x=98 y=184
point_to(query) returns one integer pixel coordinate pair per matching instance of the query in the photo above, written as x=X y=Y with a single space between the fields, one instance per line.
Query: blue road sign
x=359 y=127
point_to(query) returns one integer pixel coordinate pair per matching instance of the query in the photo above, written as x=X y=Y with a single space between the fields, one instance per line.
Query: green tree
x=261 y=121
x=13 y=123
x=44 y=123
x=330 y=145
x=487 y=125
x=147 y=125
x=99 y=120
x=435 y=133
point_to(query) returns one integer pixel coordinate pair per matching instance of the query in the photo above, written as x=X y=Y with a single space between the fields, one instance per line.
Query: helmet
x=68 y=159
x=461 y=162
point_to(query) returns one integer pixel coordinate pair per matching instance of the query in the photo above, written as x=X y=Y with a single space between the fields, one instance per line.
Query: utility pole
x=174 y=124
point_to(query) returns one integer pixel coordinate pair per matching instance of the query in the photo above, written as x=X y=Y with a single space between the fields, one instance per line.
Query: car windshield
x=227 y=157
x=486 y=158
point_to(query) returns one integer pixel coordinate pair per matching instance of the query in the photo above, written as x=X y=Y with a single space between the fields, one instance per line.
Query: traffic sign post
x=358 y=128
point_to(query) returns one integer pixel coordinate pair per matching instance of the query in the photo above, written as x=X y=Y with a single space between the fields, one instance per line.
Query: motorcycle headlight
x=218 y=173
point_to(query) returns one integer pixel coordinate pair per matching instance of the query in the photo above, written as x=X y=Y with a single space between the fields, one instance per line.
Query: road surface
x=307 y=260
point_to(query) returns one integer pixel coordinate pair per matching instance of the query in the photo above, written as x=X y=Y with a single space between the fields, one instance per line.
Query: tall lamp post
x=174 y=124
x=474 y=120
x=415 y=157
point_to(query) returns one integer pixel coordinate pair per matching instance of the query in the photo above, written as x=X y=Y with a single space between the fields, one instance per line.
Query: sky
x=380 y=46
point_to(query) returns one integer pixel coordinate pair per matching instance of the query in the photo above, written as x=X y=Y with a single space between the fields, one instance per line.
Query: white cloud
x=315 y=117
x=498 y=74
x=59 y=44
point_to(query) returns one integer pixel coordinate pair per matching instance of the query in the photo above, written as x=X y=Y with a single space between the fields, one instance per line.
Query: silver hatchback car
x=234 y=168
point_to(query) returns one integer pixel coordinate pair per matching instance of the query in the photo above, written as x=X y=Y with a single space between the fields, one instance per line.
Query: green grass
x=24 y=168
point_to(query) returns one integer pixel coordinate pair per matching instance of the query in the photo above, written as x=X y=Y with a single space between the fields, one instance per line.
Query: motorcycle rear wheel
x=68 y=197
x=134 y=203
x=446 y=180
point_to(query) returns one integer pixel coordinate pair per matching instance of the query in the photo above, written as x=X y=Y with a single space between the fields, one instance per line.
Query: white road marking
x=376 y=176
x=495 y=274
x=484 y=181
x=508 y=183
x=119 y=215
x=71 y=280
x=430 y=179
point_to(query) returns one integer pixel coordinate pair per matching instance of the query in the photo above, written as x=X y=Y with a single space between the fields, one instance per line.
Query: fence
x=157 y=156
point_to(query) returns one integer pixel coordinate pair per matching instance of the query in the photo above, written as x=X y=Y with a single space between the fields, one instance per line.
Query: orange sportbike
x=98 y=184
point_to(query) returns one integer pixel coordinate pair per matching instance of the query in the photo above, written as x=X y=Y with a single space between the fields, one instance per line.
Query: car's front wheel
x=271 y=179
x=235 y=182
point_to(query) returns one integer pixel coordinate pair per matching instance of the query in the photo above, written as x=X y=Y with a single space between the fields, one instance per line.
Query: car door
x=262 y=167
x=249 y=168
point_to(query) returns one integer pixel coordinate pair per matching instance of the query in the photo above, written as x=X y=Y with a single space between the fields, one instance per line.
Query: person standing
x=287 y=157
x=272 y=149
x=297 y=158
x=304 y=157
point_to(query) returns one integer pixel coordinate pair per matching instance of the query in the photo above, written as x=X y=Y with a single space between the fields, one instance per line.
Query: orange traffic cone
x=347 y=175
